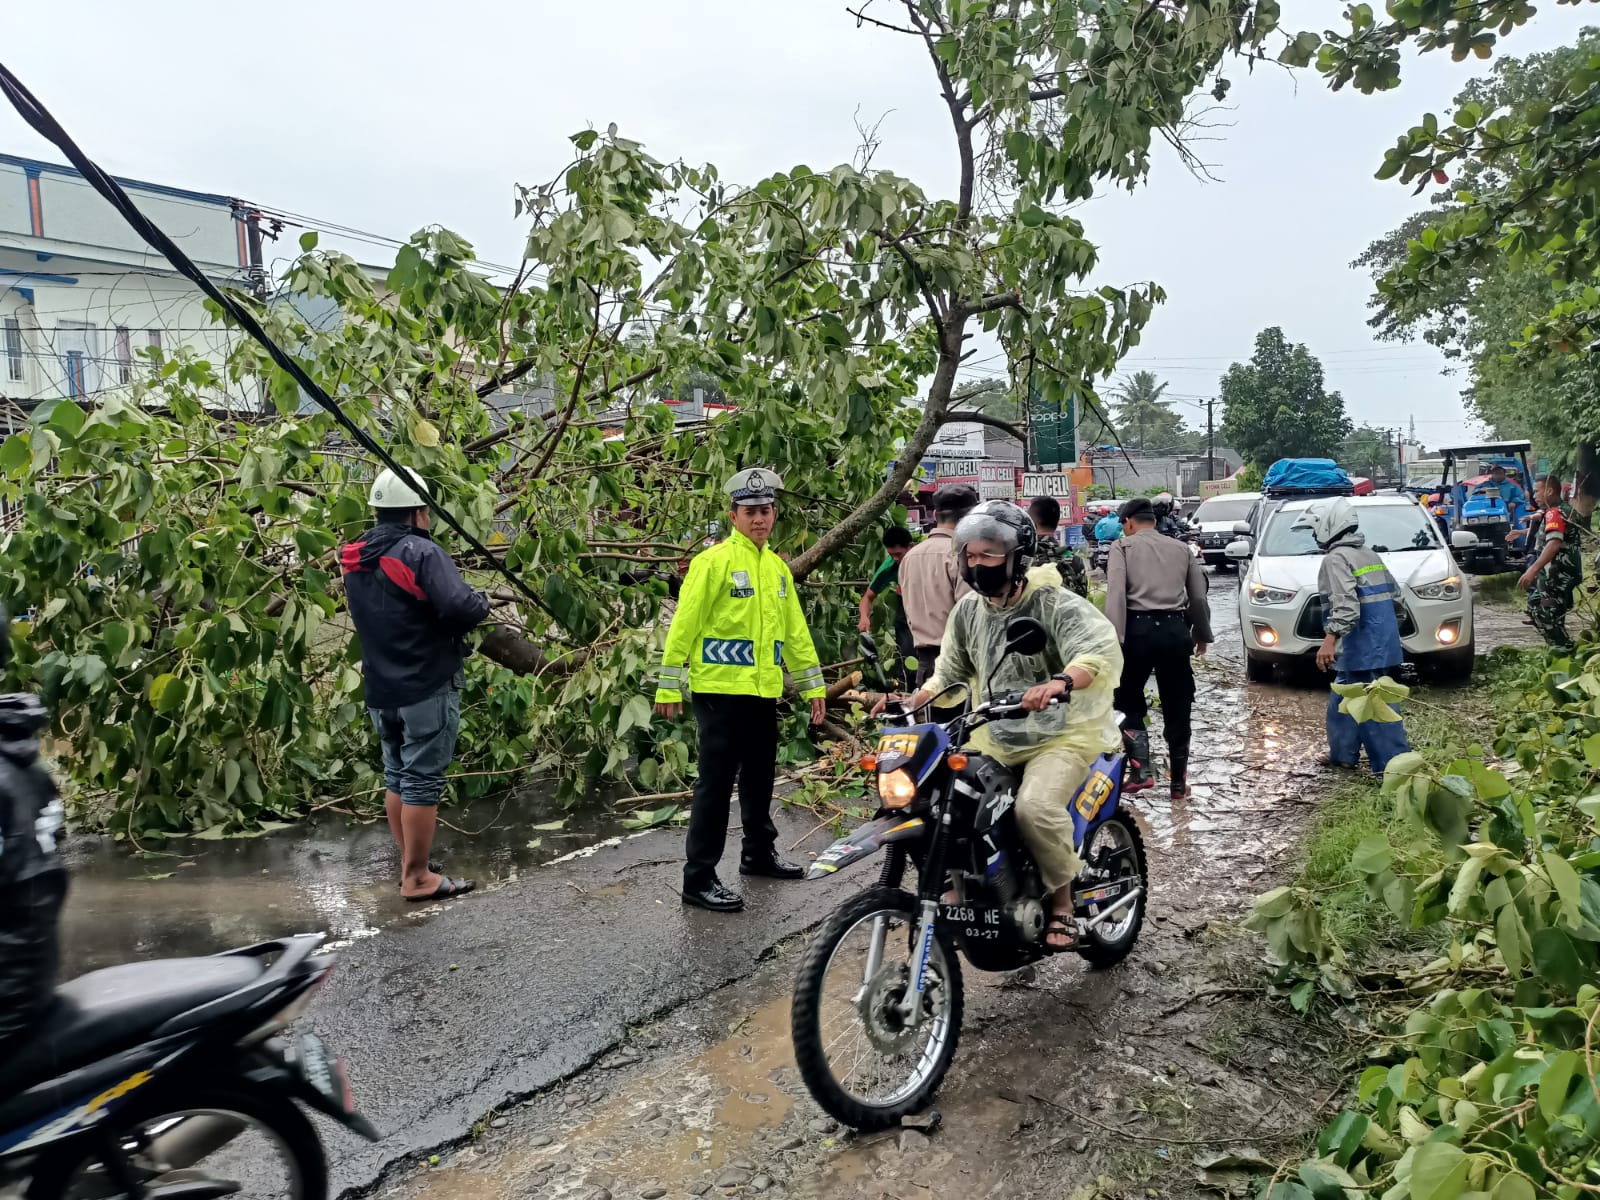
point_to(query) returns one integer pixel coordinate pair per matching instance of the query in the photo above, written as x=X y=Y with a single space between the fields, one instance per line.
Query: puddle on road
x=337 y=875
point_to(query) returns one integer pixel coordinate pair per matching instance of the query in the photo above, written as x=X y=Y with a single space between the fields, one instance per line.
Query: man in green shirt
x=886 y=581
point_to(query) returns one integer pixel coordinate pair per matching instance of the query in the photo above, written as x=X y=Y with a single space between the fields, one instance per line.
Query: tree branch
x=983 y=418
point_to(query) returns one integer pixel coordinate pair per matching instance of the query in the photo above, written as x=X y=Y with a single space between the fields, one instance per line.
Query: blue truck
x=1486 y=519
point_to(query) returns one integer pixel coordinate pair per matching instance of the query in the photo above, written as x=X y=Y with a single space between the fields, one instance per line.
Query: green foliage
x=1275 y=406
x=1252 y=477
x=1488 y=1084
x=1476 y=306
x=179 y=543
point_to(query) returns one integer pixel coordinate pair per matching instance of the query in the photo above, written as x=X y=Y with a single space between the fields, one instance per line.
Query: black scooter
x=143 y=1080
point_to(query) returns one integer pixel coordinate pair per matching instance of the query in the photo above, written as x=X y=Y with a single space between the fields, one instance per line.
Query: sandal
x=1065 y=925
x=432 y=866
x=447 y=887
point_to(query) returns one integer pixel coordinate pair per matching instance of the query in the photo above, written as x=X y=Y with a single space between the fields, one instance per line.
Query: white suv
x=1278 y=582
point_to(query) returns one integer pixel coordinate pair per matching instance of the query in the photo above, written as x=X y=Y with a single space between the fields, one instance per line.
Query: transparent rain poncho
x=1080 y=636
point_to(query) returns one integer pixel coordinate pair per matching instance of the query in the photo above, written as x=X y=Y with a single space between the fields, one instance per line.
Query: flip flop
x=447 y=887
x=432 y=866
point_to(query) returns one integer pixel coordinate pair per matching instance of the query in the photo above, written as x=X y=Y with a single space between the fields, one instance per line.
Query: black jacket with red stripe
x=411 y=609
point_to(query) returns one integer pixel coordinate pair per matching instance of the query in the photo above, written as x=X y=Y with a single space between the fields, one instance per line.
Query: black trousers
x=738 y=744
x=1159 y=644
x=905 y=647
x=927 y=659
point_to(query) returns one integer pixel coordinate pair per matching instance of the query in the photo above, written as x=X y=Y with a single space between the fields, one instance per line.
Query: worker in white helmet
x=412 y=611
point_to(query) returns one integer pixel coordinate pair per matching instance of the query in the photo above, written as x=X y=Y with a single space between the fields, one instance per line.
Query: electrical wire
x=35 y=114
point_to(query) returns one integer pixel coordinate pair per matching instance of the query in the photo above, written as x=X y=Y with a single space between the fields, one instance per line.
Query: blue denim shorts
x=418 y=743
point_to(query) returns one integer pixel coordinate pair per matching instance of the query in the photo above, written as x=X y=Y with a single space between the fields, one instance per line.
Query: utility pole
x=1211 y=440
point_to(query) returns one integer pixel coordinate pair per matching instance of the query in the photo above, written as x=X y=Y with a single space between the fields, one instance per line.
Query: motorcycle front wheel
x=1115 y=853
x=243 y=1143
x=862 y=1061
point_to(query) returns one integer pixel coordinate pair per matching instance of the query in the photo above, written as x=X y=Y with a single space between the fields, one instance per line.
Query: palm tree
x=1143 y=417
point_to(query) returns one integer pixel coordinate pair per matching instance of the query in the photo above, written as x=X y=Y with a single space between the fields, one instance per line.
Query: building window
x=155 y=338
x=13 y=348
x=124 y=355
x=77 y=381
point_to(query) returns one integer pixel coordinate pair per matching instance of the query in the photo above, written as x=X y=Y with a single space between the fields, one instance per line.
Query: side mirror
x=869 y=648
x=1242 y=528
x=1026 y=636
x=1463 y=539
x=1239 y=551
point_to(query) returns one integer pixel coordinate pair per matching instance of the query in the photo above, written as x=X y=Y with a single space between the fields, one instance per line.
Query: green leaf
x=1555 y=1083
x=230 y=777
x=1509 y=937
x=1555 y=957
x=1513 y=1186
x=160 y=687
x=308 y=241
x=549 y=826
x=53 y=609
x=67 y=418
x=425 y=433
x=15 y=453
x=1373 y=855
x=1591 y=750
x=1565 y=880
x=1343 y=1138
x=1438 y=1171
x=635 y=715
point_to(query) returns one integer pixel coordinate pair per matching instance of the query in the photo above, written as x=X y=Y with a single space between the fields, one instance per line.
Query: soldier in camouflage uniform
x=1045 y=512
x=1555 y=575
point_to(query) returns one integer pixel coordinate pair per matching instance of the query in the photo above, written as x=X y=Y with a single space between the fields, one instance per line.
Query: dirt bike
x=876 y=1015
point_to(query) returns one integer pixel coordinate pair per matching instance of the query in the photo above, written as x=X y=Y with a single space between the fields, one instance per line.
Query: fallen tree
x=176 y=545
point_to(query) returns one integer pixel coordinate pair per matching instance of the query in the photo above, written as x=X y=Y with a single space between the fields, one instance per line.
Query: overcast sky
x=386 y=117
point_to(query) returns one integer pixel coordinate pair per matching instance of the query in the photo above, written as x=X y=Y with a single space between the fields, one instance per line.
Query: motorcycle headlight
x=896 y=789
x=1260 y=593
x=1444 y=589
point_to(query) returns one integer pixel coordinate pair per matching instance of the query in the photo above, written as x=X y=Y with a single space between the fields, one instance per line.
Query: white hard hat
x=1328 y=520
x=390 y=491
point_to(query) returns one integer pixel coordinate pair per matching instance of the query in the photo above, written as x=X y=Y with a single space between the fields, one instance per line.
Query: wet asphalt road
x=447 y=1012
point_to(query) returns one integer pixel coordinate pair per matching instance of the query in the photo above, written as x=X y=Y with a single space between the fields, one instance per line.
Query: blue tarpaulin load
x=1306 y=475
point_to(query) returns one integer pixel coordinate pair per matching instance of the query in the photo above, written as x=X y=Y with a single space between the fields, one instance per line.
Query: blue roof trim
x=39 y=275
x=26 y=294
x=35 y=168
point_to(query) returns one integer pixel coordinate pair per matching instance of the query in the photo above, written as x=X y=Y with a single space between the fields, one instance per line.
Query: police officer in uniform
x=738 y=625
x=1363 y=633
x=1156 y=599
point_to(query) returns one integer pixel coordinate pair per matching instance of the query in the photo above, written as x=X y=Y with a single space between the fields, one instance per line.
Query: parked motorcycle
x=177 y=1078
x=876 y=1015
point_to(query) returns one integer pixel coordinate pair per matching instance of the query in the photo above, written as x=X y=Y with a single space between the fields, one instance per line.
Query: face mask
x=993 y=582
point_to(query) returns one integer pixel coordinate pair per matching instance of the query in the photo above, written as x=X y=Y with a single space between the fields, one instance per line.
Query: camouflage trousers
x=1548 y=612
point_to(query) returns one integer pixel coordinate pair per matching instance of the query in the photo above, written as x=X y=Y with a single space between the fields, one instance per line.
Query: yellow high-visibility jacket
x=738 y=625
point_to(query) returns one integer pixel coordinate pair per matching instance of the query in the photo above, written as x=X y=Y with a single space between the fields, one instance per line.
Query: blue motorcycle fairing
x=867 y=840
x=915 y=749
x=1097 y=798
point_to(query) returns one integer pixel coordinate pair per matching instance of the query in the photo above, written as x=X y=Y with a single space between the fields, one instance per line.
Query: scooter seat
x=106 y=1011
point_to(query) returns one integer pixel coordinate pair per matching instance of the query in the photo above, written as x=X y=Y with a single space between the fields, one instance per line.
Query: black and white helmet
x=1001 y=522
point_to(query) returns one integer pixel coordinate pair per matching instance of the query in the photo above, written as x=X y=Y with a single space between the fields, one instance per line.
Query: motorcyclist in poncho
x=1054 y=745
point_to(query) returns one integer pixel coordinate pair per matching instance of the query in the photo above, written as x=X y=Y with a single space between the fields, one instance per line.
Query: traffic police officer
x=1363 y=633
x=1156 y=599
x=738 y=625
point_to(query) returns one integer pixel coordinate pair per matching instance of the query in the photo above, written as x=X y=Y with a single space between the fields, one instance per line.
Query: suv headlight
x=1448 y=588
x=1260 y=593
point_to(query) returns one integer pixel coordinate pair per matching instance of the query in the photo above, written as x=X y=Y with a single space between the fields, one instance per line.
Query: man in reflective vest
x=1363 y=634
x=738 y=625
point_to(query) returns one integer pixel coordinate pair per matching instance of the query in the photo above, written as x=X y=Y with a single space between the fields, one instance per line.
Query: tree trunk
x=516 y=653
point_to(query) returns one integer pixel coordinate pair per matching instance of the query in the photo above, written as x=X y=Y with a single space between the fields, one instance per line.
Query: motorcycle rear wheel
x=828 y=1026
x=1110 y=943
x=261 y=1117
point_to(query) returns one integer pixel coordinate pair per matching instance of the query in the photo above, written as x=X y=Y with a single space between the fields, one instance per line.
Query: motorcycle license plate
x=975 y=921
x=325 y=1073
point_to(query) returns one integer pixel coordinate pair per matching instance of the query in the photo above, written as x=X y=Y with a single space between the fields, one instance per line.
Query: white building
x=81 y=294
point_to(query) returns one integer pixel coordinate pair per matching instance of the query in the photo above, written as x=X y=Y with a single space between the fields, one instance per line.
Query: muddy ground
x=1074 y=1083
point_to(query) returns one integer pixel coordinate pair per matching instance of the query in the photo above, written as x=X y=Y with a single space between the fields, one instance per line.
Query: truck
x=1486 y=527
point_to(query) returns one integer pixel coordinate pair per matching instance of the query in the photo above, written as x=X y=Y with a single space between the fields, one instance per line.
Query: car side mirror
x=1242 y=528
x=1463 y=539
x=1239 y=551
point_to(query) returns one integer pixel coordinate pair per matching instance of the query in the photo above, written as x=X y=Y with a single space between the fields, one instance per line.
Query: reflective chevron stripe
x=728 y=652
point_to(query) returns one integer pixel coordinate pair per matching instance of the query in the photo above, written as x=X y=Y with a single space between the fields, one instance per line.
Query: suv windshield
x=1223 y=510
x=1390 y=529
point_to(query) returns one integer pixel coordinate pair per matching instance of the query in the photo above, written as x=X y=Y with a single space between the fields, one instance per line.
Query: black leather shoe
x=713 y=896
x=771 y=866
